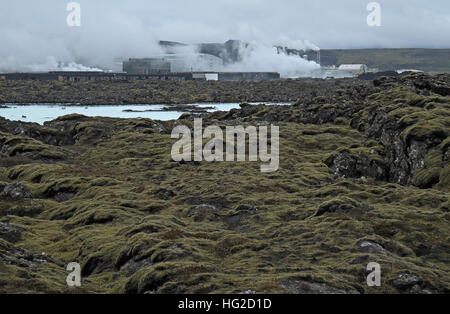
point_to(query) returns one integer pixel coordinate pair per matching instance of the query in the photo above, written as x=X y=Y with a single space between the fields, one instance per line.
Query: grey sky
x=32 y=30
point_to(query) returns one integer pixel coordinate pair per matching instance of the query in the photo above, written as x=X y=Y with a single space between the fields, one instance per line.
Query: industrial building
x=94 y=76
x=176 y=63
x=152 y=66
x=237 y=76
x=248 y=76
x=198 y=62
x=173 y=76
x=200 y=66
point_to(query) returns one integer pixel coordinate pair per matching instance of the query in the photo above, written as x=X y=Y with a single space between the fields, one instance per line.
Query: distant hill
x=428 y=60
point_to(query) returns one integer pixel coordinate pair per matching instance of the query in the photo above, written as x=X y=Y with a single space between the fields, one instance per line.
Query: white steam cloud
x=35 y=38
x=260 y=56
x=34 y=35
x=40 y=40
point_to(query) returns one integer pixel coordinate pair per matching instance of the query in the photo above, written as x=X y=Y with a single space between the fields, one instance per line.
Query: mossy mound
x=11 y=146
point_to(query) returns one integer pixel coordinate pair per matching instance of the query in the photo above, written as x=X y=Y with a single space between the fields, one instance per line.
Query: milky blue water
x=39 y=113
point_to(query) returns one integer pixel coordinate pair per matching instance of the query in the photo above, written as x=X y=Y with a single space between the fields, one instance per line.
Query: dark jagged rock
x=342 y=205
x=63 y=196
x=299 y=286
x=132 y=266
x=33 y=130
x=204 y=211
x=405 y=280
x=9 y=232
x=377 y=75
x=371 y=247
x=165 y=194
x=178 y=108
x=363 y=164
x=16 y=191
x=12 y=255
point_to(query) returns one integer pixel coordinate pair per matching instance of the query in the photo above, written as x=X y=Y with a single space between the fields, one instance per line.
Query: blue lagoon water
x=39 y=113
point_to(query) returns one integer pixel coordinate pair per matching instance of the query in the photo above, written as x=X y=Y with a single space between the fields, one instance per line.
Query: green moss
x=444 y=179
x=129 y=227
x=423 y=124
x=3 y=173
x=426 y=178
x=18 y=145
x=32 y=172
x=433 y=167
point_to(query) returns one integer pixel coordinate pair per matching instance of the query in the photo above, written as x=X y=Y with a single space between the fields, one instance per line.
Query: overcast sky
x=32 y=30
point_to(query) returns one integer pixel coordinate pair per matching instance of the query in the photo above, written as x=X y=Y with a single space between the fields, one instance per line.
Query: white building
x=354 y=69
x=206 y=76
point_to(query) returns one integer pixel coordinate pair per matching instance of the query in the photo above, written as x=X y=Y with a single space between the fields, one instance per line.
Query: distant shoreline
x=164 y=92
x=429 y=60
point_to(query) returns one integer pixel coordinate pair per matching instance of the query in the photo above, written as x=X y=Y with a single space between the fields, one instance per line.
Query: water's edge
x=42 y=112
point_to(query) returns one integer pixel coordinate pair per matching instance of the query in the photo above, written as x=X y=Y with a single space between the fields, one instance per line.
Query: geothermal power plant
x=179 y=62
x=209 y=62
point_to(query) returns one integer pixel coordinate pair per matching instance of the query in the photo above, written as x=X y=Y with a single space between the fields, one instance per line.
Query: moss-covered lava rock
x=363 y=177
